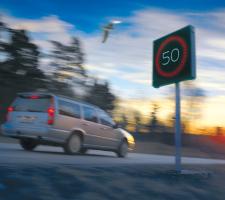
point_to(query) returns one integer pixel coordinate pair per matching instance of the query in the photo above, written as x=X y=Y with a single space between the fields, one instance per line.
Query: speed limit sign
x=174 y=57
x=173 y=62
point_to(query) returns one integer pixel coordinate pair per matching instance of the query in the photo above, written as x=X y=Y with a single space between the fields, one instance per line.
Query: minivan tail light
x=9 y=109
x=51 y=115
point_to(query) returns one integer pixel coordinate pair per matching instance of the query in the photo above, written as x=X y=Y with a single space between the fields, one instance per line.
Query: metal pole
x=177 y=130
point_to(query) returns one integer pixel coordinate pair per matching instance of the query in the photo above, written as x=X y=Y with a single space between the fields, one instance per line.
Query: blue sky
x=87 y=14
x=126 y=59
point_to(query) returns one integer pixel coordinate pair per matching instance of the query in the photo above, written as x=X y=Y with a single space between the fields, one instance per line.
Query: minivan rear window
x=29 y=104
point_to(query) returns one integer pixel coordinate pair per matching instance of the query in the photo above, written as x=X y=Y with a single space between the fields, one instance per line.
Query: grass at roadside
x=131 y=182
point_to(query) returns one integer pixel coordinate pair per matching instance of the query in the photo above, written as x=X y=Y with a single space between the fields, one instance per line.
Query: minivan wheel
x=123 y=149
x=73 y=145
x=28 y=144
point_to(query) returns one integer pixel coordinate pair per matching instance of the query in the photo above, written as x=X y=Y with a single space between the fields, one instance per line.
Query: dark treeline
x=20 y=70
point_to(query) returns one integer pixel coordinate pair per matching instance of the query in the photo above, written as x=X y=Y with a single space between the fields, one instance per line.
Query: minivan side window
x=105 y=119
x=90 y=114
x=69 y=109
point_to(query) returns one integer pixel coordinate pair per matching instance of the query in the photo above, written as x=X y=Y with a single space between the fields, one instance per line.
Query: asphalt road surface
x=44 y=155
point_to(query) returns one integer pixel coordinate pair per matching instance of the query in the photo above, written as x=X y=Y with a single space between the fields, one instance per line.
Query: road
x=44 y=155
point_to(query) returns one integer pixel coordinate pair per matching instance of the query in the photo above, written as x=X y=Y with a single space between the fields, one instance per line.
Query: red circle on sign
x=178 y=69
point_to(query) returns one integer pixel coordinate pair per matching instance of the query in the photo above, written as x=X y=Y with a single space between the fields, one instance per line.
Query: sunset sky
x=126 y=59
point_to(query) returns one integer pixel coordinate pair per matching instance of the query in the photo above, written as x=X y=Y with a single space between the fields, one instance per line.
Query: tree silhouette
x=99 y=94
x=3 y=28
x=137 y=119
x=23 y=55
x=194 y=99
x=68 y=61
x=153 y=119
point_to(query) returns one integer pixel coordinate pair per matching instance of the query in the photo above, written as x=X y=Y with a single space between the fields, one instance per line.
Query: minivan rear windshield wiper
x=30 y=110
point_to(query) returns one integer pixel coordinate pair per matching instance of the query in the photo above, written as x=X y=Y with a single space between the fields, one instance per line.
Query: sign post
x=177 y=130
x=173 y=62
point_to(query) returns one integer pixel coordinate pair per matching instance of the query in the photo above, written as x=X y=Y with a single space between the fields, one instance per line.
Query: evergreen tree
x=3 y=43
x=194 y=97
x=137 y=119
x=23 y=55
x=2 y=29
x=101 y=96
x=153 y=120
x=68 y=60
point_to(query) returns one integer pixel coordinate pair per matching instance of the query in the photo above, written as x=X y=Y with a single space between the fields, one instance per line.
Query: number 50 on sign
x=174 y=57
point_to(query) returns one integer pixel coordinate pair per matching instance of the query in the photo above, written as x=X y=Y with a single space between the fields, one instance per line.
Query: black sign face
x=174 y=57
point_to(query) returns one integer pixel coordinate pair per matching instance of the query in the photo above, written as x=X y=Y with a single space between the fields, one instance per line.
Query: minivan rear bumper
x=46 y=133
x=10 y=130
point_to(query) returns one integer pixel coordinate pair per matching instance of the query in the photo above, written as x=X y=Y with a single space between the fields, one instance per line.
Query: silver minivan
x=44 y=118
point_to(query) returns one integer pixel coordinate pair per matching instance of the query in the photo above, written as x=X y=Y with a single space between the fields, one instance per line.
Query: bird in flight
x=107 y=28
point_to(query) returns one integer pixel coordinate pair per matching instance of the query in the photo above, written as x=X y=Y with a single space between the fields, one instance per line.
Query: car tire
x=73 y=145
x=28 y=144
x=123 y=149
